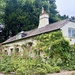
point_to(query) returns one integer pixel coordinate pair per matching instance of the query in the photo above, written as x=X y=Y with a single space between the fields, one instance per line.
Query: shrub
x=56 y=69
x=21 y=71
x=48 y=68
x=40 y=71
x=55 y=51
x=52 y=69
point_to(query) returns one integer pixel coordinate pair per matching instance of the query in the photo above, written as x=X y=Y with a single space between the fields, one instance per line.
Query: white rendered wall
x=64 y=30
x=43 y=20
x=20 y=43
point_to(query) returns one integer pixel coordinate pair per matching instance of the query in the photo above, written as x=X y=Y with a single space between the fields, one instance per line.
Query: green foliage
x=52 y=53
x=69 y=64
x=63 y=17
x=8 y=64
x=25 y=66
x=55 y=42
x=40 y=71
x=2 y=10
x=51 y=69
x=55 y=48
x=60 y=47
x=23 y=15
x=35 y=67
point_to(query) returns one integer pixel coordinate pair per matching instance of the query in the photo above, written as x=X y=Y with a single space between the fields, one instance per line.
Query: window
x=71 y=32
x=37 y=52
x=17 y=50
x=6 y=52
x=11 y=51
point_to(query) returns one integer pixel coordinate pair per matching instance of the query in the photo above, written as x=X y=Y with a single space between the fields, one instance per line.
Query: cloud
x=66 y=7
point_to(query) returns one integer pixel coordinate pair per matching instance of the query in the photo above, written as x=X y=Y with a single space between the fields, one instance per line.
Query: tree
x=53 y=12
x=23 y=15
x=73 y=17
x=10 y=18
x=2 y=10
x=63 y=17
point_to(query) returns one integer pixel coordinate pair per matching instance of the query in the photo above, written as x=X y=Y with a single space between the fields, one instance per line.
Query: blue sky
x=66 y=7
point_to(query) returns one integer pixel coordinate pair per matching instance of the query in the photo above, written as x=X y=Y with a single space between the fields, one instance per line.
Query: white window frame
x=71 y=32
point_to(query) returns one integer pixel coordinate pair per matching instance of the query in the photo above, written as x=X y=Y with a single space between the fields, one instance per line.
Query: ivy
x=48 y=39
x=53 y=45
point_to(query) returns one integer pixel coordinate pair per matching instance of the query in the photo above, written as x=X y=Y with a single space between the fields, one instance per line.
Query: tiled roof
x=48 y=28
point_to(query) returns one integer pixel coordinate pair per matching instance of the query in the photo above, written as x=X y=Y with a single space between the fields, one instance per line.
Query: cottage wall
x=10 y=47
x=64 y=30
x=16 y=44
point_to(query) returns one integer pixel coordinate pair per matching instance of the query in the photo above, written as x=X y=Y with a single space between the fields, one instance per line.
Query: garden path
x=63 y=73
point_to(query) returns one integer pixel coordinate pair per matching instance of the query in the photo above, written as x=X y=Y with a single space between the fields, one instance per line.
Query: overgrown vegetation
x=25 y=65
x=52 y=53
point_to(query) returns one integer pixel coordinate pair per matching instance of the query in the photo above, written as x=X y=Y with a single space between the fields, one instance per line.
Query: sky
x=66 y=7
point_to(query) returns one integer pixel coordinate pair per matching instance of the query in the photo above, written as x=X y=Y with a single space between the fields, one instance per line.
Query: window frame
x=16 y=50
x=70 y=32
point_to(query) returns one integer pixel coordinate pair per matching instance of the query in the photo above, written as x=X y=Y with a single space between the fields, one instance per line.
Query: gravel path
x=5 y=74
x=61 y=73
x=1 y=74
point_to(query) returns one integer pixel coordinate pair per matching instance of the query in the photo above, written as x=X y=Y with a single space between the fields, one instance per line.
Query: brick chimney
x=43 y=19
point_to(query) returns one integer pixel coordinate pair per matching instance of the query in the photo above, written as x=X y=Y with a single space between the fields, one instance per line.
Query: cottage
x=14 y=44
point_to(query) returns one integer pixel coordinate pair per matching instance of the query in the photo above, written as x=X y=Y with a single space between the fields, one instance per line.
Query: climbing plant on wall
x=53 y=45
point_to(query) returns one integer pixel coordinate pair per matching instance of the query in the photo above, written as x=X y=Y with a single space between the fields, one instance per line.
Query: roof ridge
x=48 y=28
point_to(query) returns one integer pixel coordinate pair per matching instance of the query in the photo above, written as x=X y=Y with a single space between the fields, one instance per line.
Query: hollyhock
x=18 y=52
x=6 y=52
x=38 y=48
x=26 y=46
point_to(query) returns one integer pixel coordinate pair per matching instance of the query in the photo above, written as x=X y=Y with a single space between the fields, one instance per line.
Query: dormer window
x=71 y=32
x=21 y=35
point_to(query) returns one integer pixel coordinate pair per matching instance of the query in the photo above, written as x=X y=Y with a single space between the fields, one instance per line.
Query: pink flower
x=6 y=52
x=38 y=48
x=18 y=52
x=26 y=46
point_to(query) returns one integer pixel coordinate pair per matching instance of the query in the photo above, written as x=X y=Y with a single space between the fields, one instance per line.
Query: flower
x=6 y=52
x=27 y=46
x=18 y=52
x=38 y=48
